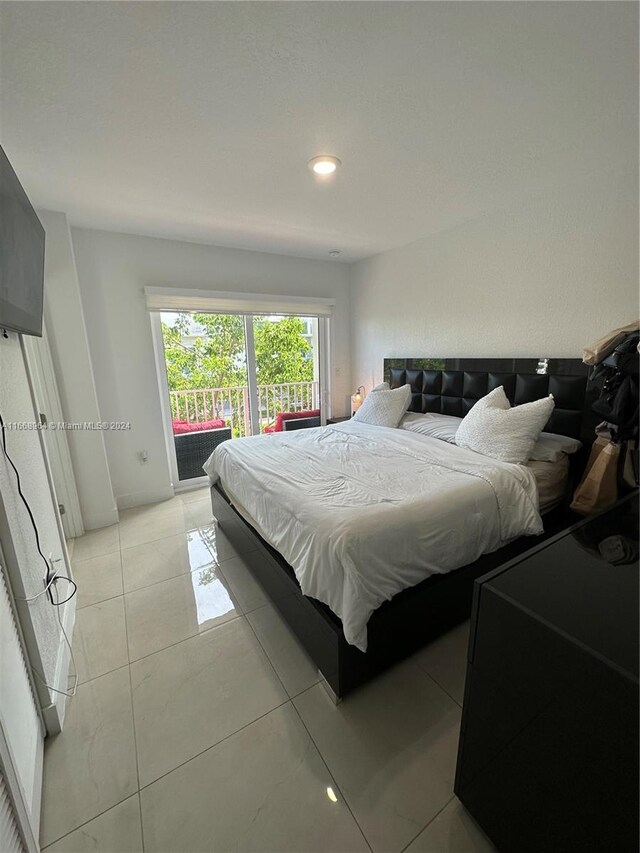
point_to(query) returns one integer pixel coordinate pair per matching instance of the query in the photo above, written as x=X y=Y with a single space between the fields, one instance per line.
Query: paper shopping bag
x=598 y=488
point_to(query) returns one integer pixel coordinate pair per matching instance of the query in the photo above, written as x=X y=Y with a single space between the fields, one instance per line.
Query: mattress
x=551 y=479
x=361 y=512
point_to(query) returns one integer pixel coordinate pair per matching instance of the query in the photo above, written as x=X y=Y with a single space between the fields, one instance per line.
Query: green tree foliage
x=282 y=353
x=216 y=359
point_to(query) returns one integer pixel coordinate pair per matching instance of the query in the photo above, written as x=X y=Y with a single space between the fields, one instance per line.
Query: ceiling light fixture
x=334 y=253
x=323 y=165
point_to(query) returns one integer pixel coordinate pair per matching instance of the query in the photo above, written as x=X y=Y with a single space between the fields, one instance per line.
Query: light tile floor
x=200 y=724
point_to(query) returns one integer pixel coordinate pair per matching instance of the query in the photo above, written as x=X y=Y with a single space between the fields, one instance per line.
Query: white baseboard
x=151 y=496
x=191 y=485
x=103 y=519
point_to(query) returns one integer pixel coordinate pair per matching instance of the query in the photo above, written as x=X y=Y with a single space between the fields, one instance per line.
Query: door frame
x=252 y=372
x=165 y=405
x=324 y=328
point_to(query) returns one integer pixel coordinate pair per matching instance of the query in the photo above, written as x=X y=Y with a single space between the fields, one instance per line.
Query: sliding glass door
x=286 y=368
x=206 y=362
x=235 y=375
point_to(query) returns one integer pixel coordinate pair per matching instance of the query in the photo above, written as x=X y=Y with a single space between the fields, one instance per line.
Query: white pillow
x=384 y=408
x=551 y=447
x=495 y=429
x=383 y=386
x=432 y=424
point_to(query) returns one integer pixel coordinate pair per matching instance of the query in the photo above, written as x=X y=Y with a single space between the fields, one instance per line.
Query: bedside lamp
x=356 y=399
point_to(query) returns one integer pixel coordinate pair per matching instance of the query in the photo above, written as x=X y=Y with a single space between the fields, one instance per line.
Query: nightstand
x=337 y=420
x=548 y=756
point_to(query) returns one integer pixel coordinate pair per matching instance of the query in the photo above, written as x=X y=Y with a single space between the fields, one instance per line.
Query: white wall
x=71 y=358
x=47 y=651
x=544 y=277
x=113 y=269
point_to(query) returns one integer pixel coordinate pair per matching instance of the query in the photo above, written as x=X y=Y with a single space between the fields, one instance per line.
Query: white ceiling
x=195 y=121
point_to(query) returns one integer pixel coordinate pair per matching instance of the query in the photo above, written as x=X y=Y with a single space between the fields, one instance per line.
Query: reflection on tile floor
x=199 y=723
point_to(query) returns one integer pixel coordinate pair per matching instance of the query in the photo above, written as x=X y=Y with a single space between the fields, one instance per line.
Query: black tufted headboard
x=451 y=386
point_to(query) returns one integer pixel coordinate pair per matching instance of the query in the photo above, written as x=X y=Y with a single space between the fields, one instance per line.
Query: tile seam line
x=428 y=823
x=212 y=746
x=331 y=776
x=190 y=529
x=84 y=823
x=435 y=680
x=182 y=574
x=192 y=636
x=322 y=758
x=133 y=710
x=168 y=772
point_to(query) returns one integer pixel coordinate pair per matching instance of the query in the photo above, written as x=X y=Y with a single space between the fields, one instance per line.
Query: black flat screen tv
x=21 y=256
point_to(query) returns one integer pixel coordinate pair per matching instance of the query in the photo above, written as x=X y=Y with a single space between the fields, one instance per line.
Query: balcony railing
x=232 y=404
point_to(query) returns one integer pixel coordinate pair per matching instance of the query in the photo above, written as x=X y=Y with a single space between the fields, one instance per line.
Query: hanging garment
x=618 y=403
x=607 y=343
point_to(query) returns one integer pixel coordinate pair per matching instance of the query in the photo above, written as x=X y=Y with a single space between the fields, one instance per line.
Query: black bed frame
x=419 y=614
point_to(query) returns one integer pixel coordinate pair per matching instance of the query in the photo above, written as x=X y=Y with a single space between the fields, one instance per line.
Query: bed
x=368 y=538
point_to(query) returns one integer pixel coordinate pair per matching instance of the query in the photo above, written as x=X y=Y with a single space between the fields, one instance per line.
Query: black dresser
x=548 y=754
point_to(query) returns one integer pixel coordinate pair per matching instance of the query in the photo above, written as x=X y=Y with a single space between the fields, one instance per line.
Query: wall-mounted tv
x=21 y=256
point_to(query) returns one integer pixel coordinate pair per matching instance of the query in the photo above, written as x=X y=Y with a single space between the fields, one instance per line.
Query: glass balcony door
x=286 y=365
x=235 y=375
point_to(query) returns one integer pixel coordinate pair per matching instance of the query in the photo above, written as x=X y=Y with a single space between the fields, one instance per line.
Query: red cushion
x=291 y=416
x=180 y=427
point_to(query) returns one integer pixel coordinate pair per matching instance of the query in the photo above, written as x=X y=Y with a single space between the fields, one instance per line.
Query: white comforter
x=361 y=512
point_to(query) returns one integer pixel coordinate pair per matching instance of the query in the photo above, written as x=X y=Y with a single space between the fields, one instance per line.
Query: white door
x=21 y=737
x=44 y=389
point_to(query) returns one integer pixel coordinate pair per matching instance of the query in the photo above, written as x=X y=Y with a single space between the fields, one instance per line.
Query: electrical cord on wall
x=50 y=589
x=24 y=500
x=54 y=577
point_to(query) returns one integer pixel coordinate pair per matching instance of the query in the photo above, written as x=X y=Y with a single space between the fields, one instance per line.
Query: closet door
x=21 y=738
x=10 y=837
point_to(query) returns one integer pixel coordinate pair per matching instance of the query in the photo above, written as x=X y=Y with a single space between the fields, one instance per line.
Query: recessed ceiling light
x=324 y=164
x=334 y=253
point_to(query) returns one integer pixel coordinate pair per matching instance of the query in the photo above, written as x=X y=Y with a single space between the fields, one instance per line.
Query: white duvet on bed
x=361 y=512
